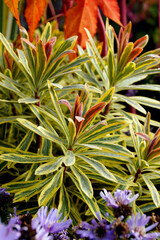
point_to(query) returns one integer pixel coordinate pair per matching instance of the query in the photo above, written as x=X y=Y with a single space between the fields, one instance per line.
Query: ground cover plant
x=66 y=132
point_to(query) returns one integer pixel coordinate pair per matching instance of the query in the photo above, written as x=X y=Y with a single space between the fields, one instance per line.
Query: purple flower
x=3 y=191
x=10 y=231
x=48 y=224
x=120 y=198
x=137 y=228
x=96 y=230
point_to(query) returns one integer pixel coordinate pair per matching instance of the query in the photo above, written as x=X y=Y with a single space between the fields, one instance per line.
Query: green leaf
x=27 y=193
x=131 y=102
x=153 y=191
x=147 y=101
x=99 y=167
x=46 y=147
x=35 y=109
x=69 y=158
x=25 y=158
x=111 y=66
x=28 y=50
x=16 y=59
x=72 y=130
x=88 y=78
x=52 y=187
x=58 y=110
x=124 y=56
x=10 y=119
x=46 y=34
x=26 y=141
x=64 y=203
x=49 y=167
x=128 y=70
x=93 y=135
x=107 y=96
x=83 y=180
x=91 y=202
x=41 y=61
x=17 y=186
x=28 y=100
x=41 y=131
x=10 y=86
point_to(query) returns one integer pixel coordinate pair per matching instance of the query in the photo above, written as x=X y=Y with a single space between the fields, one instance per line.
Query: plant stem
x=38 y=138
x=102 y=34
x=139 y=171
x=123 y=10
x=51 y=8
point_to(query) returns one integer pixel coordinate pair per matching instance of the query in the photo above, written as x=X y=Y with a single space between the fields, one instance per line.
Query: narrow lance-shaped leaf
x=83 y=180
x=64 y=202
x=49 y=167
x=91 y=114
x=72 y=130
x=102 y=170
x=153 y=191
x=91 y=202
x=58 y=109
x=51 y=188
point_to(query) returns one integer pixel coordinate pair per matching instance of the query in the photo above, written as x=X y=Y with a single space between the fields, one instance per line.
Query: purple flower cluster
x=43 y=227
x=124 y=227
x=97 y=230
x=47 y=226
x=137 y=229
x=120 y=198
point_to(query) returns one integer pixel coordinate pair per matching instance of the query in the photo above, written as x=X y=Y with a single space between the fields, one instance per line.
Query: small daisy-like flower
x=120 y=202
x=49 y=223
x=120 y=197
x=10 y=231
x=137 y=228
x=96 y=230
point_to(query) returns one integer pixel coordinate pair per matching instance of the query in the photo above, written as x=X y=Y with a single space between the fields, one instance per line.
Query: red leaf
x=33 y=13
x=91 y=113
x=65 y=102
x=144 y=136
x=48 y=46
x=155 y=153
x=84 y=15
x=110 y=9
x=135 y=52
x=76 y=107
x=13 y=7
x=141 y=42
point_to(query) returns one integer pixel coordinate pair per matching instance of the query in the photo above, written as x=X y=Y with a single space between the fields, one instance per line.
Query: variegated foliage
x=57 y=145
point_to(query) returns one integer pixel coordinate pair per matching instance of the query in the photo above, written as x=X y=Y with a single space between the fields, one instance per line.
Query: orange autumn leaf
x=110 y=9
x=13 y=7
x=84 y=15
x=33 y=13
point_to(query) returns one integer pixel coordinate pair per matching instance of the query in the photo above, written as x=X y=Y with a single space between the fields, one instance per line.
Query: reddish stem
x=51 y=8
x=139 y=171
x=102 y=34
x=123 y=9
